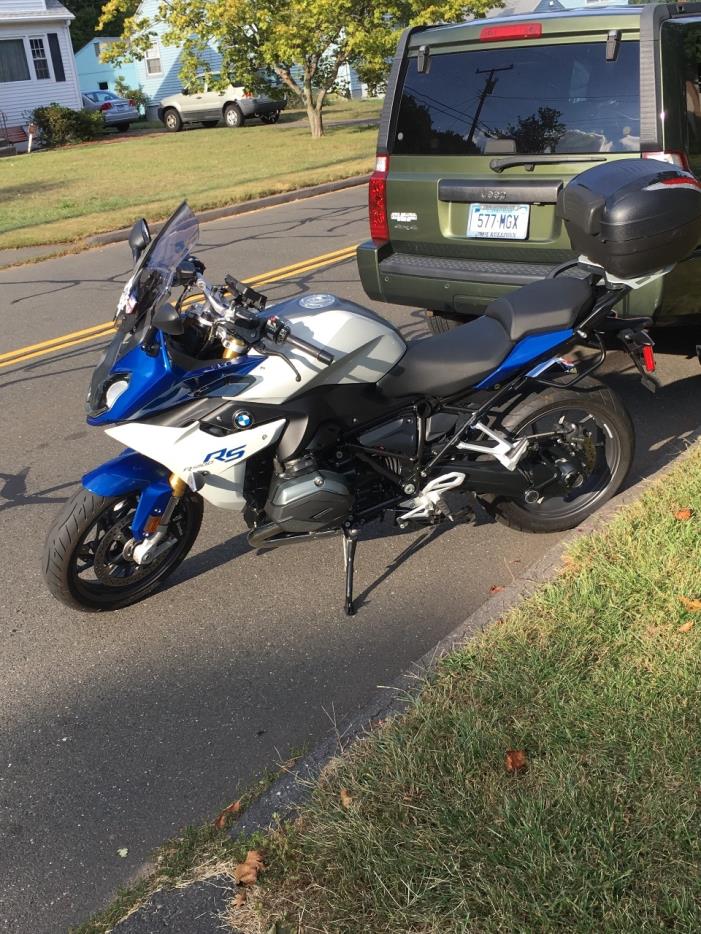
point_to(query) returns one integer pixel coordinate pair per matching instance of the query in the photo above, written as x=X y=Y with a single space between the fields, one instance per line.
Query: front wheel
x=171 y=119
x=83 y=562
x=587 y=435
x=233 y=116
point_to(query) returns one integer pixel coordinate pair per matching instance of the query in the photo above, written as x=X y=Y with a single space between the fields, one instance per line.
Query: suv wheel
x=172 y=121
x=270 y=118
x=233 y=116
x=437 y=324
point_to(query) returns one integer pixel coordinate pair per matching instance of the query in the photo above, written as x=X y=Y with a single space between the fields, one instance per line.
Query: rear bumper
x=459 y=287
x=255 y=106
x=124 y=116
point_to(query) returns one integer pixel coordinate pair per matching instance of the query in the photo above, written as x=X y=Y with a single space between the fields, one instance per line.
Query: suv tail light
x=674 y=158
x=377 y=200
x=132 y=102
x=106 y=106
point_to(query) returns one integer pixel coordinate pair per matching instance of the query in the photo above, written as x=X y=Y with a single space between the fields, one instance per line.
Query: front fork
x=154 y=511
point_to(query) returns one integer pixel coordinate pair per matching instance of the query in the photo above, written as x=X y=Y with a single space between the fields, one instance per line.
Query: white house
x=37 y=66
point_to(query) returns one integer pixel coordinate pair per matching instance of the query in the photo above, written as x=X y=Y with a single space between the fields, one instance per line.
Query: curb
x=244 y=207
x=291 y=790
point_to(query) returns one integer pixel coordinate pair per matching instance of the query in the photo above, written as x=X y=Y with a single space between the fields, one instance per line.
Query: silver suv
x=209 y=106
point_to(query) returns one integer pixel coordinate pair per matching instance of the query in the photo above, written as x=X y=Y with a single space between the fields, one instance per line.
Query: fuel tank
x=363 y=344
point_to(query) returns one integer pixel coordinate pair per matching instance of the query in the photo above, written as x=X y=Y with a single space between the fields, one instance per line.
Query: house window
x=13 y=61
x=41 y=65
x=56 y=59
x=153 y=60
x=103 y=86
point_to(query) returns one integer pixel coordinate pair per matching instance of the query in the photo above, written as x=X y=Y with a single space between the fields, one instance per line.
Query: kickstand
x=350 y=542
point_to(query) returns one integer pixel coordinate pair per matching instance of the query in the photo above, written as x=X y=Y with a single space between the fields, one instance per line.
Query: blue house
x=95 y=75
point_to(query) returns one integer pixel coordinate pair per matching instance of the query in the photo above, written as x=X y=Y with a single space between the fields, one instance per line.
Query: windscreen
x=534 y=100
x=154 y=271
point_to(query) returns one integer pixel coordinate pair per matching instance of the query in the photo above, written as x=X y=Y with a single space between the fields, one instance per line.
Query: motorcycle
x=314 y=417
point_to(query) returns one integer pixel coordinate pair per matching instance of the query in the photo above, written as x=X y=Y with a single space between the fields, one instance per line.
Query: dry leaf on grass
x=246 y=873
x=495 y=588
x=687 y=627
x=239 y=899
x=346 y=797
x=231 y=811
x=515 y=761
x=683 y=515
x=693 y=606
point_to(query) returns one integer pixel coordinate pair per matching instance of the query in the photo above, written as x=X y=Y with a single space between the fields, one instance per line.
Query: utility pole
x=489 y=85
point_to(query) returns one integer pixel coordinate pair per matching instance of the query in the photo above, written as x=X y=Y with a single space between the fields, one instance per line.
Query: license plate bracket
x=499 y=221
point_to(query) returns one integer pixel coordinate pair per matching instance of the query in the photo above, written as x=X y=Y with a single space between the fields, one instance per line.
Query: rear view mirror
x=139 y=238
x=167 y=319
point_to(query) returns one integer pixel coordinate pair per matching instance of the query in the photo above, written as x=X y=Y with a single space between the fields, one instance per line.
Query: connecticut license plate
x=499 y=221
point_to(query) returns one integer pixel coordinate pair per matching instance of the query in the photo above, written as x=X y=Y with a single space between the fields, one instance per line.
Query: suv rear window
x=533 y=100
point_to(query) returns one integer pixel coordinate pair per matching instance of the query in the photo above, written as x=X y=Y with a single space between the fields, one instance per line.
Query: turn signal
x=377 y=200
x=674 y=158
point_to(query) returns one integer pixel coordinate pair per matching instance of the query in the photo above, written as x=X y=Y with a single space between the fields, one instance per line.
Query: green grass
x=64 y=195
x=602 y=832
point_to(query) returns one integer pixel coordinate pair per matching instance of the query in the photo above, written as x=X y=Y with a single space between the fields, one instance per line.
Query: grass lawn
x=64 y=195
x=597 y=679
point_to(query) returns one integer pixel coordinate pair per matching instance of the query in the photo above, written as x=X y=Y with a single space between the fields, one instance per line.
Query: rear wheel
x=172 y=121
x=233 y=116
x=83 y=560
x=593 y=450
x=270 y=118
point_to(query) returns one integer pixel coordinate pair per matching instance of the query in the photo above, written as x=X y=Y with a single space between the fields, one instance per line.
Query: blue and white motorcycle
x=315 y=417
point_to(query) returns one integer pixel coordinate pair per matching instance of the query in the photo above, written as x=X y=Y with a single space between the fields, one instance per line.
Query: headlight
x=114 y=391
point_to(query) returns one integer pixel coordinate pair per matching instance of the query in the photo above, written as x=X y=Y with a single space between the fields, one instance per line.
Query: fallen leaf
x=687 y=627
x=246 y=873
x=495 y=588
x=123 y=852
x=693 y=606
x=231 y=811
x=515 y=761
x=683 y=515
x=240 y=899
x=346 y=797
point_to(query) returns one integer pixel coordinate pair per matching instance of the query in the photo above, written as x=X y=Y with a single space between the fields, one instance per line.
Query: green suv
x=483 y=124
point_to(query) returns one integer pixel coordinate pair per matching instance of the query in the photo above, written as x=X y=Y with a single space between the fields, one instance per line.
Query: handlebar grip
x=323 y=356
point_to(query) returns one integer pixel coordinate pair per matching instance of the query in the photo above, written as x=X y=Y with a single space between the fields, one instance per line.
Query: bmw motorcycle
x=314 y=417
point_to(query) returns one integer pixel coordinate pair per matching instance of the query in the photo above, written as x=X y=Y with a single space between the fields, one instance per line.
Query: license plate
x=499 y=221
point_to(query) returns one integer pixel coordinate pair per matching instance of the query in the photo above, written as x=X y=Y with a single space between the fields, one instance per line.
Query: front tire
x=601 y=449
x=82 y=562
x=172 y=120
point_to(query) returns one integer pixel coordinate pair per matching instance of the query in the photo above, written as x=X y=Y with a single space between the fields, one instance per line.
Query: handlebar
x=323 y=356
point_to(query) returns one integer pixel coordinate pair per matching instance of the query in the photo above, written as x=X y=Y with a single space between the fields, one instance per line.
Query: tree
x=536 y=133
x=87 y=13
x=293 y=45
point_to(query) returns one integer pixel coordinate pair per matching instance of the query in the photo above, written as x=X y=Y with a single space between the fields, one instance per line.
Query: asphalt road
x=117 y=730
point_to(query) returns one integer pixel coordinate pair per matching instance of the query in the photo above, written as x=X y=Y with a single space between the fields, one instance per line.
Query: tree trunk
x=316 y=122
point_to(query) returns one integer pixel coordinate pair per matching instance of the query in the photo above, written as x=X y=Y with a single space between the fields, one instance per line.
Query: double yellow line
x=66 y=341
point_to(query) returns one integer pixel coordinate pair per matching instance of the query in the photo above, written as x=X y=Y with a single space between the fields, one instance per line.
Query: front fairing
x=155 y=381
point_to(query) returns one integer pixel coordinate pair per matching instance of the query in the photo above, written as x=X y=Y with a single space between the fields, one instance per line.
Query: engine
x=308 y=499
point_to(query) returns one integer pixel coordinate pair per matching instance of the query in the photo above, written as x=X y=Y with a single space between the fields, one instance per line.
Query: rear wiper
x=507 y=162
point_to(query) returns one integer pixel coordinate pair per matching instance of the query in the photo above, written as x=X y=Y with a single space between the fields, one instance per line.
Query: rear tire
x=232 y=116
x=172 y=120
x=270 y=118
x=81 y=561
x=607 y=455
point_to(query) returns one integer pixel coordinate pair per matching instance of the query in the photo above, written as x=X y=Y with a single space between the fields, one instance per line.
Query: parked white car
x=209 y=106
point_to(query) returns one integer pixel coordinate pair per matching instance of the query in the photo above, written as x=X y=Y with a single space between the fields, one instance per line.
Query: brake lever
x=261 y=348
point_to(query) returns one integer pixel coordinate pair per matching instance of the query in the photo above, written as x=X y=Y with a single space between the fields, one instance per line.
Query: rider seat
x=463 y=356
x=547 y=305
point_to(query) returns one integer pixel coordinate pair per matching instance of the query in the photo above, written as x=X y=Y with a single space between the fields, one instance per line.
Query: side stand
x=350 y=542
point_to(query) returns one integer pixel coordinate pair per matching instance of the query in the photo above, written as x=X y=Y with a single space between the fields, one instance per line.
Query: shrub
x=60 y=125
x=138 y=95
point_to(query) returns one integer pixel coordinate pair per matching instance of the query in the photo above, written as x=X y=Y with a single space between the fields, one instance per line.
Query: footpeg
x=429 y=501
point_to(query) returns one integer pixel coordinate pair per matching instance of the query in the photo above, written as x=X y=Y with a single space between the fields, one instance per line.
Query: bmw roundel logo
x=243 y=419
